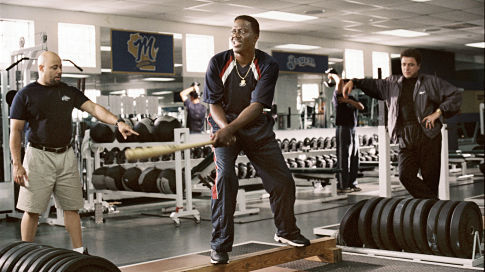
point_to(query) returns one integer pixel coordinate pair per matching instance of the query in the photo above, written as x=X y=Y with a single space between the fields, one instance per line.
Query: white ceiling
x=451 y=23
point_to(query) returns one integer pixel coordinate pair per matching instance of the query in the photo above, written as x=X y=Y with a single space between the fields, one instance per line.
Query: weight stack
x=425 y=226
x=25 y=256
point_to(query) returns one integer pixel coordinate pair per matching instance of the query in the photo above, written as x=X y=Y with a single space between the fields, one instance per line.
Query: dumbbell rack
x=474 y=262
x=95 y=197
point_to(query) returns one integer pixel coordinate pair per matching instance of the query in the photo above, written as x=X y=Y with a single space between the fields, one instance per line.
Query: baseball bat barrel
x=156 y=151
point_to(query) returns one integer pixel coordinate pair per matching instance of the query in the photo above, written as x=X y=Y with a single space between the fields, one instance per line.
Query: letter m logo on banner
x=141 y=52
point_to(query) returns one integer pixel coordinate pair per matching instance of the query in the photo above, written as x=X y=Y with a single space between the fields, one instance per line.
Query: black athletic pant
x=347 y=157
x=259 y=144
x=417 y=152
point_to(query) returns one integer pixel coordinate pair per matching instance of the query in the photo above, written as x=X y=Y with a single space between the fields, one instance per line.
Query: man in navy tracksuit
x=239 y=84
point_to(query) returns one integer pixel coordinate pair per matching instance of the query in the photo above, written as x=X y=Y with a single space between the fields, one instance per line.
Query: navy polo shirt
x=195 y=116
x=346 y=114
x=48 y=112
x=222 y=83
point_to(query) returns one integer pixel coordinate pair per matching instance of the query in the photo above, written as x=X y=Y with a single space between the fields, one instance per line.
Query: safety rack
x=476 y=260
x=95 y=197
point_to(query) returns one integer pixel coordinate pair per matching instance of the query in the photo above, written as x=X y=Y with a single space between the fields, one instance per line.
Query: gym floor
x=143 y=237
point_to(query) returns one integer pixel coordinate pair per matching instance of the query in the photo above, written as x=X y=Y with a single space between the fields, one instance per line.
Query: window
x=354 y=63
x=309 y=92
x=10 y=33
x=380 y=60
x=198 y=51
x=78 y=44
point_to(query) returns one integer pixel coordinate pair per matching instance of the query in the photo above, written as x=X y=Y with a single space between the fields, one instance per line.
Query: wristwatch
x=119 y=120
x=438 y=111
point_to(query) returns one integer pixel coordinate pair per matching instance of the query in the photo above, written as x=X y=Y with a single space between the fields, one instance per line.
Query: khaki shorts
x=48 y=173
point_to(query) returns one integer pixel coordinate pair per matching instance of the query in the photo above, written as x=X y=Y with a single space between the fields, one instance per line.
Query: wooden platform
x=323 y=250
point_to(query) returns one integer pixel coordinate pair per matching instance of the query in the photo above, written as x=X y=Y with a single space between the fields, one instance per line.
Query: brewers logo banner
x=301 y=63
x=141 y=52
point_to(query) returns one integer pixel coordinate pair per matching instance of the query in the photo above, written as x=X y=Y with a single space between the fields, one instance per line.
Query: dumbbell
x=314 y=143
x=251 y=171
x=306 y=141
x=292 y=163
x=107 y=156
x=300 y=163
x=207 y=150
x=327 y=143
x=321 y=143
x=329 y=163
x=285 y=145
x=364 y=140
x=242 y=170
x=198 y=152
x=292 y=145
x=370 y=141
x=278 y=141
x=361 y=141
x=321 y=163
x=333 y=142
x=329 y=83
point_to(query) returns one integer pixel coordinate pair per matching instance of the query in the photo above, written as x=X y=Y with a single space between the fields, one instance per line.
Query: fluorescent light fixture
x=403 y=33
x=105 y=70
x=295 y=46
x=177 y=65
x=162 y=93
x=395 y=56
x=284 y=16
x=159 y=79
x=477 y=44
x=420 y=0
x=75 y=75
x=118 y=92
x=335 y=60
x=331 y=62
x=105 y=48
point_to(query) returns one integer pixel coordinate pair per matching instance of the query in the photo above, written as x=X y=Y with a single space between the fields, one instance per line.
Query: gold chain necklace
x=243 y=79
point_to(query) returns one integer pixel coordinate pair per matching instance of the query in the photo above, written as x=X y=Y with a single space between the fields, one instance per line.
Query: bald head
x=50 y=68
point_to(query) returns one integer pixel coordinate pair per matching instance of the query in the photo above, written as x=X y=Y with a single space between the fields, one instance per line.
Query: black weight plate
x=376 y=222
x=17 y=258
x=443 y=229
x=63 y=253
x=31 y=258
x=432 y=223
x=5 y=260
x=386 y=229
x=40 y=261
x=56 y=267
x=348 y=225
x=465 y=221
x=420 y=219
x=91 y=264
x=364 y=222
x=397 y=223
x=8 y=246
x=407 y=226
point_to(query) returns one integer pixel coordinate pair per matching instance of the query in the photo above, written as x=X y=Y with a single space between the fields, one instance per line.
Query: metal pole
x=444 y=187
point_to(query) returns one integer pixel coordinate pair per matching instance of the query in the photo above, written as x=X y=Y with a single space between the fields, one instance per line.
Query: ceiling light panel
x=284 y=16
x=403 y=33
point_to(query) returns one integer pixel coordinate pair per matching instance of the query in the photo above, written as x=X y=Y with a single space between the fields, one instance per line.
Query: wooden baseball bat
x=155 y=151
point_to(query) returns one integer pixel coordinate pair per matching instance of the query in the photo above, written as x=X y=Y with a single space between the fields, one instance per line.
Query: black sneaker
x=298 y=241
x=355 y=189
x=219 y=257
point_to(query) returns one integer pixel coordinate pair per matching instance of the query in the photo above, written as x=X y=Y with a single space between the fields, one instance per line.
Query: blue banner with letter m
x=141 y=52
x=301 y=63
